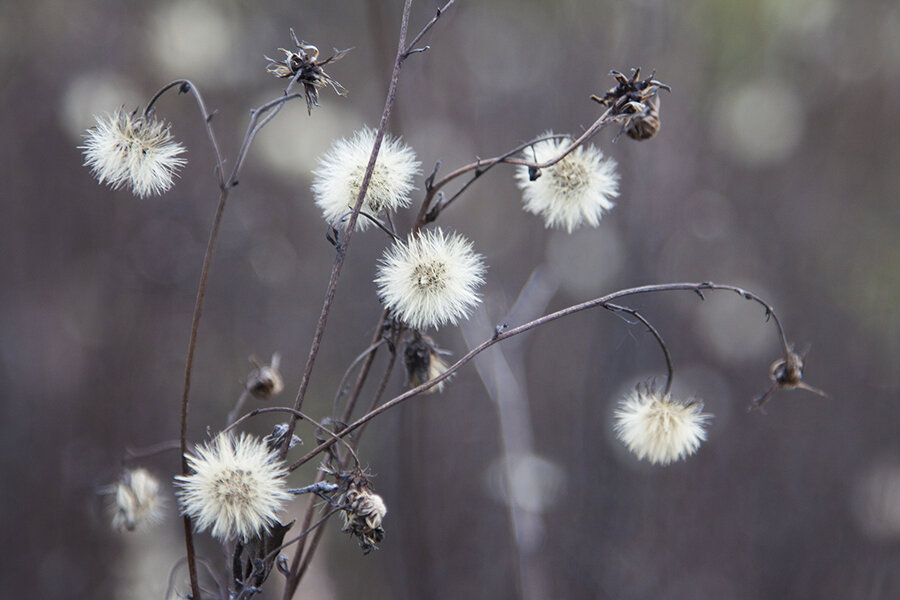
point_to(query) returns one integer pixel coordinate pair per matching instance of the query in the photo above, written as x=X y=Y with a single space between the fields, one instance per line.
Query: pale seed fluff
x=132 y=150
x=431 y=279
x=576 y=190
x=136 y=500
x=236 y=488
x=657 y=428
x=340 y=172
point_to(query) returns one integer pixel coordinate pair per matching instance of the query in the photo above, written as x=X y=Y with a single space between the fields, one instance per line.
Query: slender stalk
x=351 y=224
x=669 y=370
x=500 y=335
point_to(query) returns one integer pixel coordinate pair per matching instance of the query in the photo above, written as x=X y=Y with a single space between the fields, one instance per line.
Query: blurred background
x=776 y=168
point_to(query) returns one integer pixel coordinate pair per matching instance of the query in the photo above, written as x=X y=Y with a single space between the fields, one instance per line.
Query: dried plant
x=234 y=485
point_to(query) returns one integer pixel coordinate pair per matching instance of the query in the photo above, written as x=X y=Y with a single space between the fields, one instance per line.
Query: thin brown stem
x=351 y=224
x=500 y=335
x=362 y=356
x=669 y=370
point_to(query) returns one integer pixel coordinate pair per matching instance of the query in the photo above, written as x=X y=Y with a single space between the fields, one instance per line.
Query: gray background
x=775 y=169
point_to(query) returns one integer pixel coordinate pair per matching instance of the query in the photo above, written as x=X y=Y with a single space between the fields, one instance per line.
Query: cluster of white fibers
x=431 y=279
x=339 y=176
x=236 y=489
x=132 y=150
x=659 y=429
x=576 y=190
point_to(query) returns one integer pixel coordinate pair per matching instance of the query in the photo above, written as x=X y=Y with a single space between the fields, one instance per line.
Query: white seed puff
x=659 y=429
x=574 y=191
x=134 y=151
x=431 y=279
x=236 y=489
x=137 y=501
x=340 y=173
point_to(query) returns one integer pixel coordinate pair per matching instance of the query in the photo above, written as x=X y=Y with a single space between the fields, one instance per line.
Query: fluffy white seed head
x=340 y=173
x=659 y=429
x=236 y=489
x=576 y=190
x=431 y=279
x=134 y=151
x=137 y=501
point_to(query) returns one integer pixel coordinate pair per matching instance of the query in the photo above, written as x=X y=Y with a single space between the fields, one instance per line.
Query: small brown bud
x=363 y=512
x=423 y=362
x=265 y=381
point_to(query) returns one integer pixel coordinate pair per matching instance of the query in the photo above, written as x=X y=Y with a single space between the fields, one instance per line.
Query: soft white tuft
x=340 y=174
x=137 y=502
x=236 y=489
x=659 y=429
x=576 y=190
x=431 y=279
x=134 y=151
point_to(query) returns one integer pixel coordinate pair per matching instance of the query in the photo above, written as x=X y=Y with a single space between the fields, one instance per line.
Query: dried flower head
x=576 y=190
x=265 y=381
x=431 y=279
x=787 y=374
x=137 y=500
x=424 y=363
x=132 y=150
x=634 y=102
x=306 y=66
x=363 y=511
x=237 y=487
x=340 y=173
x=657 y=428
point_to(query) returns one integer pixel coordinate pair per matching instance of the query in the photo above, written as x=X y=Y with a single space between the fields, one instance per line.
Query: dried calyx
x=635 y=102
x=362 y=511
x=304 y=65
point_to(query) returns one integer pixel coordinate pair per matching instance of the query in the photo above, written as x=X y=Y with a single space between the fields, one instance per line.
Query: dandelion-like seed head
x=431 y=279
x=657 y=428
x=576 y=190
x=236 y=489
x=133 y=150
x=339 y=176
x=137 y=501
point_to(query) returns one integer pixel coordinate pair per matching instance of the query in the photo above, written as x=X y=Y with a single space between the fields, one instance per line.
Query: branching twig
x=513 y=331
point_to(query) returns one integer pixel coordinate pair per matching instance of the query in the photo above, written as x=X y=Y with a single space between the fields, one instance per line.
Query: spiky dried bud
x=304 y=64
x=424 y=363
x=265 y=381
x=634 y=102
x=363 y=512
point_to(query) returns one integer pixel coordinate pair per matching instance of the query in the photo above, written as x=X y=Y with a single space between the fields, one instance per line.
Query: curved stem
x=669 y=370
x=185 y=86
x=351 y=225
x=152 y=450
x=499 y=336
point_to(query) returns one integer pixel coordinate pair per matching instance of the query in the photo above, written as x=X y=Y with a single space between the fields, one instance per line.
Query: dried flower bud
x=363 y=511
x=304 y=64
x=787 y=374
x=137 y=500
x=277 y=438
x=635 y=102
x=265 y=381
x=424 y=363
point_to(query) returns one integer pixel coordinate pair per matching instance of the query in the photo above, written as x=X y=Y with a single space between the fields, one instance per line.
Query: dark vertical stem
x=188 y=366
